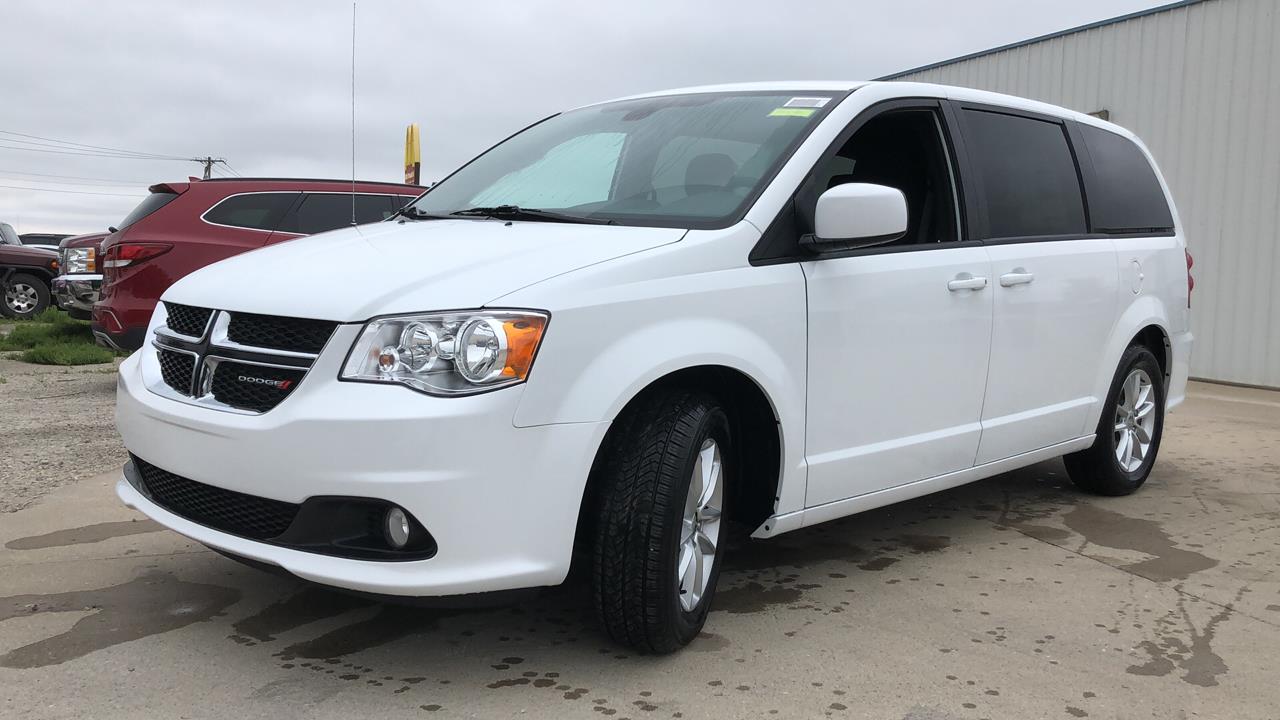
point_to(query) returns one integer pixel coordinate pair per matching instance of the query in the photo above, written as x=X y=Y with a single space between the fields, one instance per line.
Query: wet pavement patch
x=1111 y=529
x=152 y=604
x=86 y=534
x=753 y=597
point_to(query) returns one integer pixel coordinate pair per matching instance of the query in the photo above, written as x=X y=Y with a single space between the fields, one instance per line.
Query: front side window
x=902 y=150
x=253 y=211
x=1028 y=175
x=8 y=236
x=674 y=161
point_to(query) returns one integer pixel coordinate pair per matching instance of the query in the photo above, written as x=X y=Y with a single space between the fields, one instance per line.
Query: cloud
x=267 y=84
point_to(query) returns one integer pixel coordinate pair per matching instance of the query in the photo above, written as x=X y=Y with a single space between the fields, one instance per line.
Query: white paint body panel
x=897 y=368
x=1045 y=337
x=876 y=372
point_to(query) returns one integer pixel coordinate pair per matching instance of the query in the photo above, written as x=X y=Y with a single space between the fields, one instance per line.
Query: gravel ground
x=56 y=427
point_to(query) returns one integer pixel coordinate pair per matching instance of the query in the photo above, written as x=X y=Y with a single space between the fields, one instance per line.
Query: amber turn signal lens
x=523 y=336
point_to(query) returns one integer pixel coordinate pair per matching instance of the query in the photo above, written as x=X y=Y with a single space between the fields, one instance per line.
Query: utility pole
x=208 y=164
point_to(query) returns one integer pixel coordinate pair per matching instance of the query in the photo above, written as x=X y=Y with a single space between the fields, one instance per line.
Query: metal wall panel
x=1200 y=84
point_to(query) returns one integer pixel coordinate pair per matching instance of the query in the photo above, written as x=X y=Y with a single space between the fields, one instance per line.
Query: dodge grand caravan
x=633 y=321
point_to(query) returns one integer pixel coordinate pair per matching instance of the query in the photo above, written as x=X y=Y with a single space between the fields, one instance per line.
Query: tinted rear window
x=321 y=212
x=1028 y=174
x=150 y=204
x=256 y=211
x=1126 y=196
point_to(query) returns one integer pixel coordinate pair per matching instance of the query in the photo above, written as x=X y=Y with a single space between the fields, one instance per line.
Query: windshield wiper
x=412 y=213
x=515 y=212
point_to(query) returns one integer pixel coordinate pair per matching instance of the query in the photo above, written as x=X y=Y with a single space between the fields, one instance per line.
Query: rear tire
x=1129 y=431
x=658 y=545
x=24 y=296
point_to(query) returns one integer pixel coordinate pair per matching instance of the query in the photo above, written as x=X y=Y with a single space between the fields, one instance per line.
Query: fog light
x=397 y=528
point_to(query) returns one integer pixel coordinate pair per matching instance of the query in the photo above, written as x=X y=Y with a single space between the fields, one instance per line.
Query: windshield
x=674 y=161
x=8 y=236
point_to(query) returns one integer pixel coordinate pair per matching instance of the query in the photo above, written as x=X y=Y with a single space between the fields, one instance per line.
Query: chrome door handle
x=965 y=281
x=1017 y=277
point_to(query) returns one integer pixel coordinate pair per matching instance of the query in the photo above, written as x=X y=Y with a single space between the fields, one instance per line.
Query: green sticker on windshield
x=792 y=112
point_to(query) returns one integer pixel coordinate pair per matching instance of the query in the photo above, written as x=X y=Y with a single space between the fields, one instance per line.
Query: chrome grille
x=280 y=333
x=235 y=362
x=187 y=320
x=176 y=368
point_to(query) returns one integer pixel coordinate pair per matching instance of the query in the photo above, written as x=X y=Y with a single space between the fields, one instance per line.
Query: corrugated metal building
x=1199 y=82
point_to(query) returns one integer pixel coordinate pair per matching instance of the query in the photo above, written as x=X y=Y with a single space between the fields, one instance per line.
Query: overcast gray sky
x=267 y=84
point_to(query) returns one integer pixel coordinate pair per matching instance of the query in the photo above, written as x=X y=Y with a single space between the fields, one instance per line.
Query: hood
x=86 y=240
x=26 y=255
x=356 y=273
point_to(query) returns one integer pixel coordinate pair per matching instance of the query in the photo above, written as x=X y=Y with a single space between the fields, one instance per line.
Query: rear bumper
x=77 y=292
x=1180 y=347
x=109 y=332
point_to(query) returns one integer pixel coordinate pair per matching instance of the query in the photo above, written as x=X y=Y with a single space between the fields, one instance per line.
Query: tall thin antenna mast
x=353 y=113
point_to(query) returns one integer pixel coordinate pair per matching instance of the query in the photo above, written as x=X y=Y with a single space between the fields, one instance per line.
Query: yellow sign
x=412 y=156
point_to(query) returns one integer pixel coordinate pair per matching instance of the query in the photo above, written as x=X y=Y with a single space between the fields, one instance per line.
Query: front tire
x=660 y=532
x=1129 y=431
x=25 y=296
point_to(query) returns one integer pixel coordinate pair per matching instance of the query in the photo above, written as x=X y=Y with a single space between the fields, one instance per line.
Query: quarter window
x=1126 y=196
x=1028 y=175
x=255 y=211
x=321 y=212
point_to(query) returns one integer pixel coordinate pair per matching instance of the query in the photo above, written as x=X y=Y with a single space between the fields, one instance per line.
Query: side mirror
x=857 y=215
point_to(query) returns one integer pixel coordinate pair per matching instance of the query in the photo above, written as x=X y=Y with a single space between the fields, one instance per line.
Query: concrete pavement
x=1016 y=597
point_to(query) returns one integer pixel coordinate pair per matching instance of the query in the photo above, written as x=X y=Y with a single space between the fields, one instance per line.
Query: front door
x=898 y=334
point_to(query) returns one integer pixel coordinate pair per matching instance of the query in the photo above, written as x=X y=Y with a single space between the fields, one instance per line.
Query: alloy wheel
x=1135 y=420
x=700 y=528
x=21 y=298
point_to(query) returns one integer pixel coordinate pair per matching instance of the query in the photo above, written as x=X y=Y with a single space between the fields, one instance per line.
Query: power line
x=110 y=181
x=94 y=147
x=73 y=192
x=89 y=154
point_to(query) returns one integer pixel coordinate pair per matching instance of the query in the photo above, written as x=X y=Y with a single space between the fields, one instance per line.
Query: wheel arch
x=1145 y=322
x=757 y=442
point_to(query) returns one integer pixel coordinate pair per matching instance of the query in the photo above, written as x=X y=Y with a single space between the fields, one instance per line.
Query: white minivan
x=773 y=303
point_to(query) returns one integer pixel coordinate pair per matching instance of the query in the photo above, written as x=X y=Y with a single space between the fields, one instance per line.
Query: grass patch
x=31 y=334
x=55 y=338
x=50 y=316
x=65 y=353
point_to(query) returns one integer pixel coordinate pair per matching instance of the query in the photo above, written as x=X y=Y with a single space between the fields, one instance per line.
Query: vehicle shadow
x=382 y=642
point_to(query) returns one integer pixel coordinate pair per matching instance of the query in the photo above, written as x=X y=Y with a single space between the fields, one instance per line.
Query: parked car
x=779 y=304
x=44 y=241
x=25 y=274
x=181 y=227
x=77 y=286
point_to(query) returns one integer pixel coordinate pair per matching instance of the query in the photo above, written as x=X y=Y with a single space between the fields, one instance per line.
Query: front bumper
x=501 y=502
x=77 y=292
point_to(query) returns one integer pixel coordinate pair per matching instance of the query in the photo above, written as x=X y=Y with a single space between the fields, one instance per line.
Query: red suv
x=181 y=227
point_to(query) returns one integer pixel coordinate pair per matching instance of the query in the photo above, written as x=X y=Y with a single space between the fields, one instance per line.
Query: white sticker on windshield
x=807 y=102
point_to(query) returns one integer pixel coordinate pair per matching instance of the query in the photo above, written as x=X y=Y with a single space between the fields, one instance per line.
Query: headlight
x=79 y=260
x=456 y=353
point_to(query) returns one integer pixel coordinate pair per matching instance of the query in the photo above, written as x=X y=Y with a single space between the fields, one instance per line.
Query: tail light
x=126 y=255
x=1191 y=282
